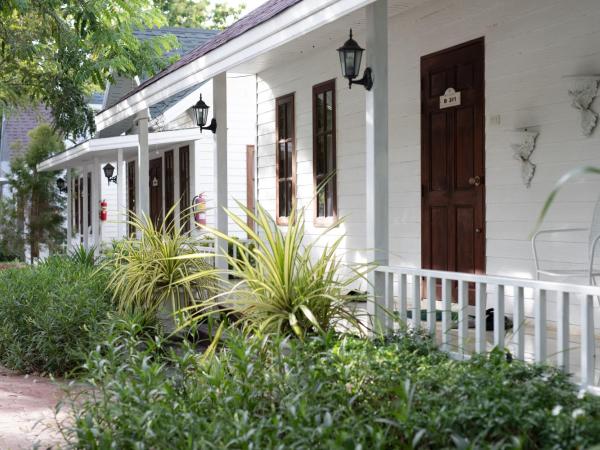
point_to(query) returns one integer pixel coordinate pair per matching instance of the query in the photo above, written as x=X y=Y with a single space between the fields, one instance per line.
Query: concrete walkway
x=27 y=417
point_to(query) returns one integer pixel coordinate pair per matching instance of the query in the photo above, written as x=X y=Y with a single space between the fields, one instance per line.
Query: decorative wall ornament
x=522 y=143
x=582 y=90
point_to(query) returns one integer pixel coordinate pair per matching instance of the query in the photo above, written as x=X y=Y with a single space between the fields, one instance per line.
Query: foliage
x=51 y=315
x=57 y=52
x=39 y=204
x=280 y=285
x=146 y=273
x=199 y=13
x=324 y=393
x=83 y=257
x=12 y=244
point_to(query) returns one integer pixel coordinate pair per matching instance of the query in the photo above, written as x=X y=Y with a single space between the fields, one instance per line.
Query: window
x=184 y=188
x=286 y=157
x=324 y=152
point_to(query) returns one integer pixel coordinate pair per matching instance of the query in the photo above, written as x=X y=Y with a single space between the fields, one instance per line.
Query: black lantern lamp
x=350 y=59
x=109 y=171
x=201 y=113
x=61 y=184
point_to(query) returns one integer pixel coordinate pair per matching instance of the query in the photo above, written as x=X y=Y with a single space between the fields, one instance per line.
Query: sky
x=250 y=4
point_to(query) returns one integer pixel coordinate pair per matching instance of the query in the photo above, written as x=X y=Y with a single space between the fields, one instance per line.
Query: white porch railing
x=399 y=285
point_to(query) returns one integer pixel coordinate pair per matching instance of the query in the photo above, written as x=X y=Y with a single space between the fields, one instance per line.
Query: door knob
x=477 y=230
x=475 y=181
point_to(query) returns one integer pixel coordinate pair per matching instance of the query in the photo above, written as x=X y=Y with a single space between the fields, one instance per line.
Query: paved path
x=27 y=414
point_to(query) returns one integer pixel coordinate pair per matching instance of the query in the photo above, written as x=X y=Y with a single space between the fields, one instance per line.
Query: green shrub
x=281 y=284
x=324 y=393
x=51 y=315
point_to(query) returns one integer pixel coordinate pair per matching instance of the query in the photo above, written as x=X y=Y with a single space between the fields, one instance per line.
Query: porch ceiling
x=106 y=149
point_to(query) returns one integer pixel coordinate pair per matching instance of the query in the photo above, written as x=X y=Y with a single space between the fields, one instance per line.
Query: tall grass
x=280 y=284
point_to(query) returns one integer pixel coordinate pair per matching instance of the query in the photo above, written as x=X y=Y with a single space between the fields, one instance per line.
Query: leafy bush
x=324 y=393
x=281 y=285
x=51 y=315
x=148 y=274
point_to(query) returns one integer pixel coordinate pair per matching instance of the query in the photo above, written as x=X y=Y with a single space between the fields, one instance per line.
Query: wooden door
x=130 y=195
x=184 y=188
x=156 y=191
x=452 y=159
x=169 y=185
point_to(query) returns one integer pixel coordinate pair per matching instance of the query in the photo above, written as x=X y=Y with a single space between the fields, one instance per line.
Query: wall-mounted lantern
x=109 y=171
x=201 y=113
x=350 y=59
x=61 y=184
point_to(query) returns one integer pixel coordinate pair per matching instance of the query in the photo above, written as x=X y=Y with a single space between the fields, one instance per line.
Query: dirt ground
x=27 y=412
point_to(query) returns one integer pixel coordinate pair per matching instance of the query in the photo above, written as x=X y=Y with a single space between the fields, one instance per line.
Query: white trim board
x=106 y=148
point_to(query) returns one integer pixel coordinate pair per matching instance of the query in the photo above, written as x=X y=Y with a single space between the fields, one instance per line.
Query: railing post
x=562 y=332
x=388 y=319
x=463 y=319
x=431 y=287
x=588 y=351
x=540 y=325
x=480 y=300
x=499 y=318
x=519 y=322
x=402 y=293
x=416 y=312
x=446 y=313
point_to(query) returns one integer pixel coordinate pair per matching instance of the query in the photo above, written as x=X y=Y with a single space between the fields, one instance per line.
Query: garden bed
x=327 y=393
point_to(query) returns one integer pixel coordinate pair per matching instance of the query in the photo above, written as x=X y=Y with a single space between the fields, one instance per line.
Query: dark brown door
x=452 y=159
x=184 y=188
x=130 y=195
x=169 y=185
x=156 y=191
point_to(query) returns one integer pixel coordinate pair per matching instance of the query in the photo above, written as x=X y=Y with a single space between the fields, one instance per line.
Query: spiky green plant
x=279 y=284
x=83 y=256
x=147 y=275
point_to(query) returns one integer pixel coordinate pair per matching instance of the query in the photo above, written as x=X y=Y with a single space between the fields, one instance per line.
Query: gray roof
x=189 y=39
x=258 y=16
x=15 y=129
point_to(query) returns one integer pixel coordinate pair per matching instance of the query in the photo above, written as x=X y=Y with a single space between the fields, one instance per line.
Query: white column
x=143 y=198
x=377 y=148
x=69 y=209
x=84 y=190
x=121 y=194
x=95 y=207
x=220 y=161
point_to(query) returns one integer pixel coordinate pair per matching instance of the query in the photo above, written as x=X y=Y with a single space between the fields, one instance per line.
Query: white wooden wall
x=530 y=45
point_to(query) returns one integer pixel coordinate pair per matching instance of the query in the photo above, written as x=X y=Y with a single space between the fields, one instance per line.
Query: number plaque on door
x=449 y=99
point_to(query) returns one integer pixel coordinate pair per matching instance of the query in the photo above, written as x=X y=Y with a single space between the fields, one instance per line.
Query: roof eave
x=297 y=21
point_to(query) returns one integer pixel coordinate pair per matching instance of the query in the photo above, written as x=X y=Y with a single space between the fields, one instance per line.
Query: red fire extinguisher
x=103 y=210
x=199 y=203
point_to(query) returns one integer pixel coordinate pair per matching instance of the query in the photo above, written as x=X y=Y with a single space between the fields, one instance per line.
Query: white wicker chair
x=590 y=272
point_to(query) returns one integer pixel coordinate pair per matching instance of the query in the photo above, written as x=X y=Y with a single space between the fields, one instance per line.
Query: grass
x=324 y=392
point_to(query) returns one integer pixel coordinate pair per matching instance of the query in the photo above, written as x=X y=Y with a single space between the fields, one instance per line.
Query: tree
x=199 y=13
x=56 y=52
x=38 y=211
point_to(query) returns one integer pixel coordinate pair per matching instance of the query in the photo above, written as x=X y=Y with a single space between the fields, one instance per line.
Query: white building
x=426 y=173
